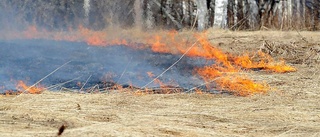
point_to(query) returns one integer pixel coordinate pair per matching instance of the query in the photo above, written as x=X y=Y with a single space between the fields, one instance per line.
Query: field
x=291 y=108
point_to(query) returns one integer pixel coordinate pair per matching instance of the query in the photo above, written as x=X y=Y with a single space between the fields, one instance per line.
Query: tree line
x=168 y=14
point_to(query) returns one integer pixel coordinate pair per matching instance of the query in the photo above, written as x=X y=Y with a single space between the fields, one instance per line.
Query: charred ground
x=31 y=60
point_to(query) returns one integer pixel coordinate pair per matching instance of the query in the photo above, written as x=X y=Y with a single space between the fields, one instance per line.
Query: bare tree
x=317 y=14
x=186 y=13
x=230 y=14
x=138 y=13
x=297 y=15
x=86 y=7
x=253 y=14
x=202 y=11
x=150 y=14
x=211 y=12
x=290 y=12
x=220 y=15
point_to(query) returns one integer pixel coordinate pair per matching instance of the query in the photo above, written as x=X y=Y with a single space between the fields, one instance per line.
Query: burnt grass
x=89 y=66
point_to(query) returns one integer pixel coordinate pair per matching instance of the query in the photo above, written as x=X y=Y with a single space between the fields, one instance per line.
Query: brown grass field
x=291 y=108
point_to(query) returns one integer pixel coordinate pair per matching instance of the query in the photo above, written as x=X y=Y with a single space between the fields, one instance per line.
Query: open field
x=292 y=108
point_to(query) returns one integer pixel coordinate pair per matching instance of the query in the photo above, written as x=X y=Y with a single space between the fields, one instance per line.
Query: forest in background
x=167 y=14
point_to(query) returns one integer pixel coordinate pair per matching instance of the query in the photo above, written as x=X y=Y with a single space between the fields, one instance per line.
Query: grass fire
x=159 y=68
x=219 y=72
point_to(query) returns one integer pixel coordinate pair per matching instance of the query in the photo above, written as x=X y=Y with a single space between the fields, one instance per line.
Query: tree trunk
x=284 y=14
x=253 y=17
x=297 y=22
x=211 y=12
x=230 y=14
x=168 y=8
x=138 y=13
x=185 y=13
x=86 y=7
x=235 y=11
x=280 y=14
x=307 y=14
x=202 y=9
x=317 y=14
x=220 y=14
x=290 y=7
x=150 y=21
x=246 y=12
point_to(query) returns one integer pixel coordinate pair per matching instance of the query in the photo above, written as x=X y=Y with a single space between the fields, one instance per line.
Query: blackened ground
x=31 y=60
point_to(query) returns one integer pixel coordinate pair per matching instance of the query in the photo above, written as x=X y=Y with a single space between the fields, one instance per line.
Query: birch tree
x=253 y=12
x=202 y=11
x=138 y=13
x=220 y=15
x=86 y=8
x=186 y=13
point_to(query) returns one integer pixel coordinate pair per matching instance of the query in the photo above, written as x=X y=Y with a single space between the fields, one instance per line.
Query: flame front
x=266 y=62
x=226 y=74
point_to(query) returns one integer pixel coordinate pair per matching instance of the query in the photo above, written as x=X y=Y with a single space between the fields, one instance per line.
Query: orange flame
x=157 y=81
x=266 y=62
x=157 y=46
x=226 y=71
x=32 y=90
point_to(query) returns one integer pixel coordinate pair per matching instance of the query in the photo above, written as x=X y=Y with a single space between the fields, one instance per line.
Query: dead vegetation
x=290 y=109
x=292 y=46
x=295 y=52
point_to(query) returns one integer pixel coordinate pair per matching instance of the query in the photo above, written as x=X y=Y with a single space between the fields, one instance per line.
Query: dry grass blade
x=286 y=132
x=85 y=83
x=302 y=37
x=195 y=20
x=124 y=71
x=61 y=84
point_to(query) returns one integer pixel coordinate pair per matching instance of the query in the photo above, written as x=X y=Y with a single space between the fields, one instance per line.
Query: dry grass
x=291 y=109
